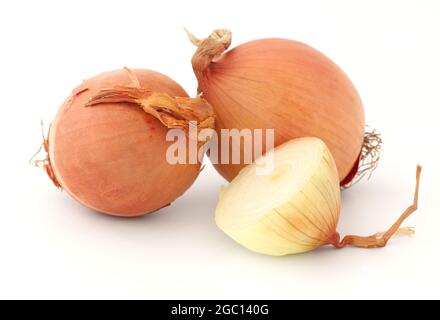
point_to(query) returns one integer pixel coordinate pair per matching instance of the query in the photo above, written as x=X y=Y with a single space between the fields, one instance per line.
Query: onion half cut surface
x=292 y=210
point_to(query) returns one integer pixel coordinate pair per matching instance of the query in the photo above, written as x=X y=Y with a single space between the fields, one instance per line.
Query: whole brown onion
x=110 y=155
x=287 y=86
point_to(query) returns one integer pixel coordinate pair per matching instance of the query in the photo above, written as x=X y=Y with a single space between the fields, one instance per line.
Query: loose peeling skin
x=173 y=112
x=48 y=168
x=45 y=163
x=72 y=97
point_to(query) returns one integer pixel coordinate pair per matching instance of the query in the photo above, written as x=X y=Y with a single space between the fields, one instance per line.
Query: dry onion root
x=287 y=86
x=296 y=208
x=107 y=145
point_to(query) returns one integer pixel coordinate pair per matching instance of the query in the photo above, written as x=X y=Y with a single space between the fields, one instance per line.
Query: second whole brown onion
x=283 y=85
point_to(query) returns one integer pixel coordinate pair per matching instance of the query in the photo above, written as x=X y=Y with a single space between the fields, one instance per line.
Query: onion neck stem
x=209 y=49
x=380 y=240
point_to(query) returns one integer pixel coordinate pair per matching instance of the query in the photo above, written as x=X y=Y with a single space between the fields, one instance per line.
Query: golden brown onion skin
x=112 y=157
x=290 y=87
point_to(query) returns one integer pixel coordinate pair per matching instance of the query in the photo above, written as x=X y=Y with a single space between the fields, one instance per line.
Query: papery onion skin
x=112 y=158
x=284 y=85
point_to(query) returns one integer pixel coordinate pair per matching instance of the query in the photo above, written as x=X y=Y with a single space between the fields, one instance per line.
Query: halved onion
x=296 y=208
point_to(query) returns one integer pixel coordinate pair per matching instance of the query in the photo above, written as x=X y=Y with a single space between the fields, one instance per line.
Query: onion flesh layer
x=295 y=209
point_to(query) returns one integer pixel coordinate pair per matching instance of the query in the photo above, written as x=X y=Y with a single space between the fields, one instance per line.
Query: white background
x=52 y=247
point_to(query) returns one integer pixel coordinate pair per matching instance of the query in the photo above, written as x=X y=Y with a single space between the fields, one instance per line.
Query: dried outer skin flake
x=173 y=112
